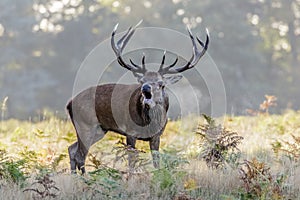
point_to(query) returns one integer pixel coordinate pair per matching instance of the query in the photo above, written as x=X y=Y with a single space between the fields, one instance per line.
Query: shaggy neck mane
x=155 y=114
x=153 y=119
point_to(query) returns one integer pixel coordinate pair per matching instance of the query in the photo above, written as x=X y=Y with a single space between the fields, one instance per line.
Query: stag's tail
x=69 y=109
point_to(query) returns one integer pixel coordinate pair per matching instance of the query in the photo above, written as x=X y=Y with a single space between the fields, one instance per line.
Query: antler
x=197 y=54
x=118 y=48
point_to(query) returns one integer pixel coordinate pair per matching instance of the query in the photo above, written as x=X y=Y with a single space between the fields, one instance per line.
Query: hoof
x=82 y=169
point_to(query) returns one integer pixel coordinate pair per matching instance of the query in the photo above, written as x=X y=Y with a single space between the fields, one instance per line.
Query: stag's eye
x=160 y=84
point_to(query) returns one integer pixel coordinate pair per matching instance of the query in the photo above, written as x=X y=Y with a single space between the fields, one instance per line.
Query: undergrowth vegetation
x=245 y=157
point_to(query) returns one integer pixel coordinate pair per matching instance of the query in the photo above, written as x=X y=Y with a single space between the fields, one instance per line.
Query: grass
x=34 y=163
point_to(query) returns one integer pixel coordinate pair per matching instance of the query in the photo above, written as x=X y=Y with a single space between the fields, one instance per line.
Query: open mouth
x=147 y=95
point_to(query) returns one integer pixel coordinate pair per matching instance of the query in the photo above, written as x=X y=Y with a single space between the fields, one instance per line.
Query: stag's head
x=153 y=83
x=153 y=87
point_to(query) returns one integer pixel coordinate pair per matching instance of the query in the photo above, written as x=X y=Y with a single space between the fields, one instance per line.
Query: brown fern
x=218 y=144
x=44 y=187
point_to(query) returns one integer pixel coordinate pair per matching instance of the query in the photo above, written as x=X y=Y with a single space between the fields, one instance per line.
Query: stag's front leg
x=154 y=146
x=130 y=141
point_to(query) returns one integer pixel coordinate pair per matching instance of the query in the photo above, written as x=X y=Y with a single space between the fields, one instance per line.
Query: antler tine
x=197 y=54
x=162 y=62
x=118 y=49
x=121 y=43
x=124 y=40
x=195 y=48
x=173 y=64
x=135 y=65
x=205 y=46
x=163 y=70
x=143 y=68
x=127 y=38
x=112 y=39
x=143 y=62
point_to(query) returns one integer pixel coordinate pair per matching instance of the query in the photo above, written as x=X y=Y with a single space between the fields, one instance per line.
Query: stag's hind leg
x=87 y=135
x=83 y=115
x=72 y=152
x=77 y=156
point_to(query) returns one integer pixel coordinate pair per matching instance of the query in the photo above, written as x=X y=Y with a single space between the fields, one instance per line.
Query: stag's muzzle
x=147 y=94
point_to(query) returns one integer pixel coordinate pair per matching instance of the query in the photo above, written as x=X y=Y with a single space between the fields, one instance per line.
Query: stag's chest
x=118 y=109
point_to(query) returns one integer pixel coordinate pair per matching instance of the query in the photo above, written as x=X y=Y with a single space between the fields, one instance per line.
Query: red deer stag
x=137 y=111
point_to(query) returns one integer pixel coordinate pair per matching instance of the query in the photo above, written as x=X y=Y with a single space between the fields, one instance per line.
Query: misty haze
x=44 y=44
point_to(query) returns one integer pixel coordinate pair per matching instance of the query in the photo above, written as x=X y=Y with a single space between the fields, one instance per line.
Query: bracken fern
x=219 y=145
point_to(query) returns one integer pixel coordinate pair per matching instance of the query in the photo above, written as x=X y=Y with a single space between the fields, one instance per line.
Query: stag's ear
x=138 y=77
x=172 y=79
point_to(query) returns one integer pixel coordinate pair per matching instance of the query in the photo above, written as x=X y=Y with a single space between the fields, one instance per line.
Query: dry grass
x=43 y=148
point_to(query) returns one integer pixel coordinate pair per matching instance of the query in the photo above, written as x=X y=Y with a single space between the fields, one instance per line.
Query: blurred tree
x=278 y=25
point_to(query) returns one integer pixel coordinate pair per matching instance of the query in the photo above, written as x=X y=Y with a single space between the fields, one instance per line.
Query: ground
x=262 y=165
